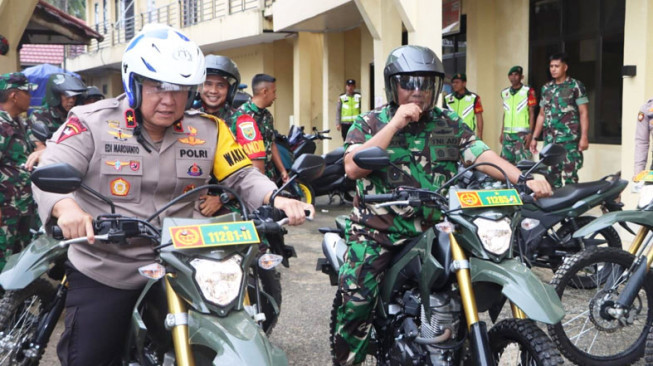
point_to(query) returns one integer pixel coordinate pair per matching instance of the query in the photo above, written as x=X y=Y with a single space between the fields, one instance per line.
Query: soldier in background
x=466 y=104
x=16 y=204
x=518 y=117
x=643 y=135
x=92 y=95
x=564 y=120
x=349 y=107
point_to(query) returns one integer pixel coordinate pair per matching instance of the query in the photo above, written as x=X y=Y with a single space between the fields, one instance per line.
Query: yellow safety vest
x=350 y=107
x=464 y=107
x=515 y=108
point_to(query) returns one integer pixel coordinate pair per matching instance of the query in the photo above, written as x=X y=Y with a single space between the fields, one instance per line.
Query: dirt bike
x=199 y=305
x=607 y=293
x=438 y=283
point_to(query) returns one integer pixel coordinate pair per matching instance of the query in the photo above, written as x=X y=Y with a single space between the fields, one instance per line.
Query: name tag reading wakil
x=214 y=235
x=644 y=176
x=489 y=198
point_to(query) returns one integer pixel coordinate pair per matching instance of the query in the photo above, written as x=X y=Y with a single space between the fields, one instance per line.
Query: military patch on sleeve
x=640 y=116
x=73 y=127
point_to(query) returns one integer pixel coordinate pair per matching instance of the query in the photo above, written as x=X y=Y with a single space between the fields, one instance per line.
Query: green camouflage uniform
x=224 y=113
x=428 y=151
x=514 y=149
x=562 y=125
x=264 y=121
x=16 y=204
x=53 y=117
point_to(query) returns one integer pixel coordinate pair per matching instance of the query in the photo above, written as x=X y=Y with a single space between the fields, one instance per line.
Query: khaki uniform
x=98 y=141
x=643 y=135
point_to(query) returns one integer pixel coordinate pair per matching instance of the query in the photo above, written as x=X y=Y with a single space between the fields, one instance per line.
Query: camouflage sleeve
x=470 y=146
x=359 y=132
x=541 y=96
x=32 y=118
x=642 y=139
x=580 y=93
x=5 y=138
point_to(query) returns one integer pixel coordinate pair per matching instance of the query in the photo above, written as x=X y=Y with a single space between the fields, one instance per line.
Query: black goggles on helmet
x=414 y=82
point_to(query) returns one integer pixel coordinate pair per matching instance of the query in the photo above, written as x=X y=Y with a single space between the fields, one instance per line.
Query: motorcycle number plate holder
x=644 y=176
x=488 y=198
x=214 y=235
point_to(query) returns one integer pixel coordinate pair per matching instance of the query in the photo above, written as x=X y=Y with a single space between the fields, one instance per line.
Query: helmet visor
x=415 y=88
x=159 y=87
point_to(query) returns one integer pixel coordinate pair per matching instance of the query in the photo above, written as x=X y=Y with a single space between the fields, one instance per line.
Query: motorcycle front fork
x=644 y=257
x=51 y=317
x=177 y=322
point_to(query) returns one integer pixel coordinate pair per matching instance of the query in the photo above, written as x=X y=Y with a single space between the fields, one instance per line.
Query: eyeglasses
x=413 y=82
x=158 y=87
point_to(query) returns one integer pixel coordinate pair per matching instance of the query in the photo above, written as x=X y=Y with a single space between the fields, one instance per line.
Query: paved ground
x=302 y=330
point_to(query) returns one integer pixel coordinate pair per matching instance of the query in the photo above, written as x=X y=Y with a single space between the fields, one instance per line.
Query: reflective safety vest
x=515 y=108
x=350 y=107
x=464 y=107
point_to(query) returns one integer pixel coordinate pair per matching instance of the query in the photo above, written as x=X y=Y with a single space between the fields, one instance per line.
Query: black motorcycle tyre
x=270 y=283
x=565 y=278
x=11 y=305
x=532 y=340
x=609 y=233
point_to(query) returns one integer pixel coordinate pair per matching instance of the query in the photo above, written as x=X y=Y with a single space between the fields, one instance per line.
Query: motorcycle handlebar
x=384 y=197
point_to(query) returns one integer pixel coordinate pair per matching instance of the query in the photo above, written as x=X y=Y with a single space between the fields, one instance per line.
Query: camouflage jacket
x=52 y=117
x=428 y=151
x=264 y=121
x=560 y=104
x=224 y=113
x=15 y=188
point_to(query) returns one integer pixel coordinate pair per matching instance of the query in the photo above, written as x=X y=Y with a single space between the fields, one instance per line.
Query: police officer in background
x=466 y=104
x=16 y=205
x=61 y=94
x=518 y=117
x=349 y=107
x=643 y=136
x=413 y=80
x=141 y=150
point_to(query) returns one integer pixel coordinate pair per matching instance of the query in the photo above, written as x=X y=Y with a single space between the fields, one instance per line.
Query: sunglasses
x=413 y=82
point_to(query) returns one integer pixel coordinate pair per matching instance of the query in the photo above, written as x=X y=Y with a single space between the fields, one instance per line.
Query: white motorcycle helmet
x=161 y=53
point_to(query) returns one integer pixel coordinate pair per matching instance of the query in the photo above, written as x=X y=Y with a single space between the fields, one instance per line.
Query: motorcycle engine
x=445 y=318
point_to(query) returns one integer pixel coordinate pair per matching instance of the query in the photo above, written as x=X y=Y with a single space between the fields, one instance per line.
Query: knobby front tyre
x=521 y=342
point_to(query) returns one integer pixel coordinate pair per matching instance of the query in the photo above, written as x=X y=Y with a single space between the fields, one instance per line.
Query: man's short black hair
x=560 y=56
x=4 y=95
x=261 y=78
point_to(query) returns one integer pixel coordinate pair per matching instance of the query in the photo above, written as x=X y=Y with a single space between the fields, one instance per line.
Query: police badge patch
x=248 y=130
x=73 y=127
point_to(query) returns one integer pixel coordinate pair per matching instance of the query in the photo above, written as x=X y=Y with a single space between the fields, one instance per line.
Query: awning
x=49 y=25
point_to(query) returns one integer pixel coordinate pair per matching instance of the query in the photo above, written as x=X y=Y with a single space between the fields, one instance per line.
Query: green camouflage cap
x=517 y=69
x=16 y=80
x=459 y=76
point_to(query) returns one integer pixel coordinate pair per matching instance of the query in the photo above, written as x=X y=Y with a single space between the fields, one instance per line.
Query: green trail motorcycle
x=199 y=306
x=607 y=293
x=437 y=284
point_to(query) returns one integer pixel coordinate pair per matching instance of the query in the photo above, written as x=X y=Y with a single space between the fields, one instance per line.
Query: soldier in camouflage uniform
x=427 y=143
x=518 y=118
x=564 y=120
x=265 y=92
x=16 y=204
x=61 y=94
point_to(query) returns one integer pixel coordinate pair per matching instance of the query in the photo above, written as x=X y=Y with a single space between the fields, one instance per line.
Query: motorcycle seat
x=569 y=194
x=333 y=156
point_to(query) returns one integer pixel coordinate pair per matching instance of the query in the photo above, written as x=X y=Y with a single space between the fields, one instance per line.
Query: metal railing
x=178 y=14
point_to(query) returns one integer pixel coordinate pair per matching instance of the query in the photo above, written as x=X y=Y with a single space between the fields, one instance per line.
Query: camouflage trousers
x=514 y=149
x=360 y=276
x=567 y=171
x=14 y=235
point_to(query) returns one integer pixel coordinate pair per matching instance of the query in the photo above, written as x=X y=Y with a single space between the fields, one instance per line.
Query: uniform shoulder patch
x=640 y=116
x=73 y=127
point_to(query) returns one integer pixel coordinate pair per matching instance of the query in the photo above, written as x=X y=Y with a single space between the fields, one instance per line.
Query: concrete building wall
x=14 y=17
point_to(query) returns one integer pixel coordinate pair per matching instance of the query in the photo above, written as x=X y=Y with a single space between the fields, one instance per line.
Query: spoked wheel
x=590 y=334
x=20 y=312
x=606 y=237
x=370 y=360
x=521 y=342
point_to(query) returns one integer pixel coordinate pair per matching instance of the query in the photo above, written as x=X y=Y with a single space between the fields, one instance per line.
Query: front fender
x=236 y=338
x=644 y=218
x=519 y=284
x=24 y=267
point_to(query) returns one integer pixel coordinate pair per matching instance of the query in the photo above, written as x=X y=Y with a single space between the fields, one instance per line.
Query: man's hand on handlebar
x=73 y=221
x=541 y=188
x=294 y=209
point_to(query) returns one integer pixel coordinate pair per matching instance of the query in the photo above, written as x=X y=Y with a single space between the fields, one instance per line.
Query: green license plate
x=489 y=198
x=214 y=235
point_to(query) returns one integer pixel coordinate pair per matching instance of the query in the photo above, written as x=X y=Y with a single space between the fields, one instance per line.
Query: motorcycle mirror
x=57 y=178
x=552 y=154
x=524 y=165
x=308 y=167
x=41 y=131
x=372 y=158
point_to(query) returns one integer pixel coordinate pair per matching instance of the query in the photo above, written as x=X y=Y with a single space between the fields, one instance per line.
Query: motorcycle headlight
x=219 y=281
x=495 y=235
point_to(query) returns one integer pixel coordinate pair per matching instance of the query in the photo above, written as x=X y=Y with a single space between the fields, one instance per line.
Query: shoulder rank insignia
x=130 y=118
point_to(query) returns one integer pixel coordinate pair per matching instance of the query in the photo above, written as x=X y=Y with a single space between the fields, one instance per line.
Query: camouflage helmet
x=412 y=60
x=225 y=67
x=62 y=84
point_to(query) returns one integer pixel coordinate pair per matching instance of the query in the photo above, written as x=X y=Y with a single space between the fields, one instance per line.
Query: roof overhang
x=316 y=16
x=49 y=25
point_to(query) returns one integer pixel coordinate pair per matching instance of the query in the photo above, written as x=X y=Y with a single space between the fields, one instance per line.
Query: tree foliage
x=76 y=8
